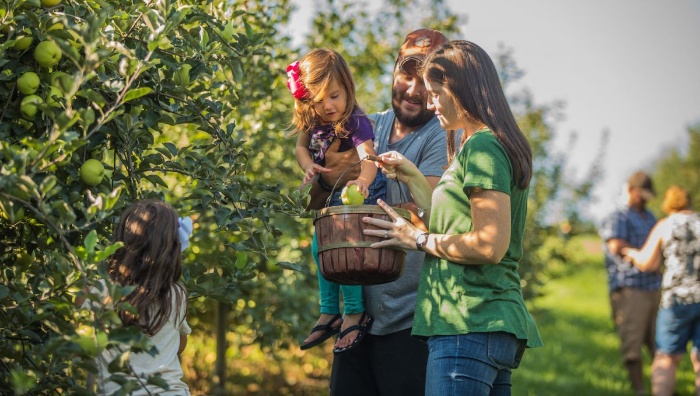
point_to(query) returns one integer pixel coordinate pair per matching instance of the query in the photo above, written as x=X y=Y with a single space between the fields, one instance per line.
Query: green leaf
x=241 y=260
x=108 y=251
x=158 y=381
x=136 y=93
x=156 y=180
x=91 y=241
x=290 y=266
x=4 y=291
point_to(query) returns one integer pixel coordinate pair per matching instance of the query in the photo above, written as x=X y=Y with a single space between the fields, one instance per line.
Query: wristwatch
x=421 y=239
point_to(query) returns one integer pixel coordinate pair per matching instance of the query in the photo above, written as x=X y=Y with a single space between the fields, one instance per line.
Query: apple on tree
x=50 y=3
x=91 y=172
x=28 y=106
x=53 y=97
x=351 y=195
x=28 y=83
x=22 y=43
x=47 y=54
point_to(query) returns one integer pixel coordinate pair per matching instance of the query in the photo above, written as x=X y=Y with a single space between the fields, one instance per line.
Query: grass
x=581 y=352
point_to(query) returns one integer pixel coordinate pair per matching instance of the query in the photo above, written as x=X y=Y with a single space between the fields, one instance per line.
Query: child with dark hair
x=150 y=261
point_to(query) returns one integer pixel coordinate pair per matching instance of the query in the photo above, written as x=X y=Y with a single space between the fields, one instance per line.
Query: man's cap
x=420 y=43
x=641 y=180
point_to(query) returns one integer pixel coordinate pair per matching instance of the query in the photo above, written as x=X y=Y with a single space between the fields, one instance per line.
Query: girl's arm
x=649 y=257
x=368 y=169
x=306 y=163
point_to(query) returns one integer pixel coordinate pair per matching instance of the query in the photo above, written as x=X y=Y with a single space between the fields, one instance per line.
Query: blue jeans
x=677 y=325
x=472 y=364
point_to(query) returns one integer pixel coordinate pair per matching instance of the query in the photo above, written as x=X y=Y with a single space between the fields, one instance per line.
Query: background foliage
x=216 y=147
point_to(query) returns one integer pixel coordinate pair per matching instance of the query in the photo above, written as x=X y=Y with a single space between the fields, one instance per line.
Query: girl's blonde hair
x=151 y=261
x=317 y=70
x=675 y=200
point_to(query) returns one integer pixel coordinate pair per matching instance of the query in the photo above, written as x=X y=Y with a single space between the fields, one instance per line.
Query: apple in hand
x=28 y=83
x=47 y=54
x=91 y=172
x=351 y=195
x=28 y=106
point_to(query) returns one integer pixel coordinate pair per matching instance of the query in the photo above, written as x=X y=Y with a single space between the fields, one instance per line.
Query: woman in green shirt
x=470 y=306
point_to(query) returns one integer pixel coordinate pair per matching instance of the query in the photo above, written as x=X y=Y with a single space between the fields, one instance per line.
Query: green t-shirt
x=460 y=299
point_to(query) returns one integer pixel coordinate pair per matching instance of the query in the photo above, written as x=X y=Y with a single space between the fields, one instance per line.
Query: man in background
x=634 y=295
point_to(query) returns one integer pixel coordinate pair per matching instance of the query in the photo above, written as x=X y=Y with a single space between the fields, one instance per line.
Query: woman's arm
x=650 y=256
x=487 y=243
x=398 y=167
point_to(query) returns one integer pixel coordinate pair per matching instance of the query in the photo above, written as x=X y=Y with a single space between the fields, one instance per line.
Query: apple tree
x=104 y=103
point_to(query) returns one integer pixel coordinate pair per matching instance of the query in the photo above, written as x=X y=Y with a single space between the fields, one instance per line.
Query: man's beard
x=410 y=119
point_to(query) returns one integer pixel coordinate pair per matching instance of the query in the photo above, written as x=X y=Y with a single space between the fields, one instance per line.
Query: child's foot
x=352 y=331
x=326 y=326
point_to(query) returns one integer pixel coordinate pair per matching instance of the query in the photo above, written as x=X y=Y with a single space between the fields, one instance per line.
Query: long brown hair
x=469 y=77
x=151 y=261
x=317 y=70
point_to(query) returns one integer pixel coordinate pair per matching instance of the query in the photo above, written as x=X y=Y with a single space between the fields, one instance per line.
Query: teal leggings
x=330 y=292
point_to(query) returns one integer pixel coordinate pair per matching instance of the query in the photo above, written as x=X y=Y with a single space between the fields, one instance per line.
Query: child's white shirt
x=165 y=362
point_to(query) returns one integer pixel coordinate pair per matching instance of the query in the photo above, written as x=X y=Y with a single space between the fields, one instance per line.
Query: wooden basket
x=344 y=251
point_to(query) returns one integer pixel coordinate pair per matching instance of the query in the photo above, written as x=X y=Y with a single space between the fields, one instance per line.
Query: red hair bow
x=294 y=83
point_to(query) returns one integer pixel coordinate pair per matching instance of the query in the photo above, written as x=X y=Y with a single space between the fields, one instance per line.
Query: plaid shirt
x=634 y=227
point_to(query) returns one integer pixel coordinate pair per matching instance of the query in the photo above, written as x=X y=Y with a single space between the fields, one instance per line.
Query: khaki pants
x=634 y=314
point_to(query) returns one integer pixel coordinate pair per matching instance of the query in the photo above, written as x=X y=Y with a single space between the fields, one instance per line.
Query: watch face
x=421 y=239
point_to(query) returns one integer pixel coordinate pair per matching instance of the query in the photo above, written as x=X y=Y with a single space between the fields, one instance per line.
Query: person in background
x=634 y=295
x=676 y=239
x=390 y=361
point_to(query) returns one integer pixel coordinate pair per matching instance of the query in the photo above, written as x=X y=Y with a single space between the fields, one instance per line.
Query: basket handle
x=367 y=157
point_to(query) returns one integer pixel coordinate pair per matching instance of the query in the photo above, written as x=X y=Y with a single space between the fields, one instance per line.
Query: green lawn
x=580 y=356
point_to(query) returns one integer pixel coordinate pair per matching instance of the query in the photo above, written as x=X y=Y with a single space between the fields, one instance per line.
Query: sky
x=631 y=67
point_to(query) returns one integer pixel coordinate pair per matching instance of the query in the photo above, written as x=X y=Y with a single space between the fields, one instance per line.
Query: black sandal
x=362 y=328
x=329 y=331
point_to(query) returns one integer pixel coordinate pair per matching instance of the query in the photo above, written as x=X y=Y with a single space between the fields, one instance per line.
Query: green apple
x=28 y=83
x=55 y=26
x=91 y=172
x=61 y=80
x=53 y=98
x=22 y=43
x=28 y=106
x=351 y=195
x=50 y=3
x=182 y=76
x=47 y=54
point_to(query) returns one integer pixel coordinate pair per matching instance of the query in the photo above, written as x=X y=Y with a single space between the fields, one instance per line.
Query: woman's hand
x=398 y=232
x=395 y=166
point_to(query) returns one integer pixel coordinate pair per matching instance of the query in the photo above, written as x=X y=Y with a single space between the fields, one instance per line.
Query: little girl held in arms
x=150 y=260
x=329 y=122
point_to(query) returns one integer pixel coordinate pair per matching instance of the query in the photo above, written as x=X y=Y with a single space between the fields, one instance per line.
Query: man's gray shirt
x=392 y=304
